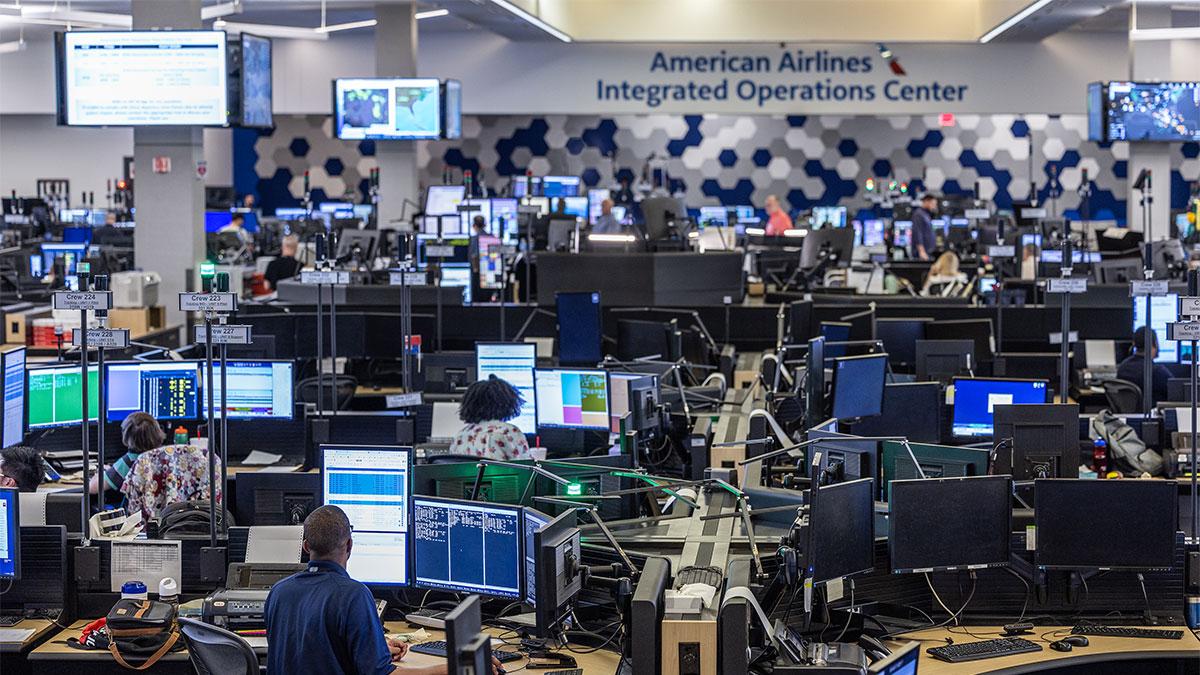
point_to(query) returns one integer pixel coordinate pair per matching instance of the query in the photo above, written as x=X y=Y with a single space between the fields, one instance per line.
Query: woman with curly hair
x=486 y=408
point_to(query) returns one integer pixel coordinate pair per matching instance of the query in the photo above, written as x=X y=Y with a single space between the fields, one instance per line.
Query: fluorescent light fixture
x=77 y=16
x=219 y=10
x=1153 y=34
x=1014 y=20
x=795 y=233
x=11 y=47
x=613 y=238
x=755 y=231
x=432 y=13
x=10 y=10
x=333 y=28
x=270 y=30
x=509 y=7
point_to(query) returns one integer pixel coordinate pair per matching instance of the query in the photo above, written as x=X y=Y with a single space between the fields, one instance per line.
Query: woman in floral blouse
x=486 y=408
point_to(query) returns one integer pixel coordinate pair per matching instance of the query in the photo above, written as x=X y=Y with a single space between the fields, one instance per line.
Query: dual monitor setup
x=168 y=390
x=402 y=539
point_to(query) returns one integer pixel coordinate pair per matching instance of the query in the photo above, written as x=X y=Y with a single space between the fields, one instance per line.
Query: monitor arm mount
x=592 y=511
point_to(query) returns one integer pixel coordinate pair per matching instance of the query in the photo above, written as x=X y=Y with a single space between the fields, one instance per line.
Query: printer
x=135 y=289
x=242 y=605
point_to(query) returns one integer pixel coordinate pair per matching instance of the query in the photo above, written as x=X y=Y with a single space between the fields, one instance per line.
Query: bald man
x=778 y=221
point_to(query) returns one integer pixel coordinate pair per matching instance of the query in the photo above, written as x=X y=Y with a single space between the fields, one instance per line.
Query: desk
x=56 y=657
x=41 y=628
x=1100 y=650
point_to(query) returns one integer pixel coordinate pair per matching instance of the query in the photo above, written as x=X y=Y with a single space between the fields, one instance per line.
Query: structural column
x=396 y=56
x=1150 y=60
x=169 y=238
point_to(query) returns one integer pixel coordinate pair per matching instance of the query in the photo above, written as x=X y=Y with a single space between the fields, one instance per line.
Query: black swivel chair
x=216 y=651
x=1123 y=396
x=340 y=388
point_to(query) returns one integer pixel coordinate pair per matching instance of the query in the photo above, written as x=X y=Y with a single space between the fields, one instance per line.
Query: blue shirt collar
x=326 y=566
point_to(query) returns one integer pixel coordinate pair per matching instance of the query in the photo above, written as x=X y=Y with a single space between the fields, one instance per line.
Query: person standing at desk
x=778 y=220
x=476 y=250
x=923 y=240
x=607 y=223
x=21 y=467
x=321 y=620
x=285 y=266
x=1132 y=368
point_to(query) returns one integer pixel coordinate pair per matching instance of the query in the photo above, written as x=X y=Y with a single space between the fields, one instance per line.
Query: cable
x=849 y=614
x=7 y=587
x=1028 y=590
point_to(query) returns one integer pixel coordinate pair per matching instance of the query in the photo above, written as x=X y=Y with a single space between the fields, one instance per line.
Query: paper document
x=279 y=468
x=445 y=420
x=33 y=509
x=146 y=560
x=258 y=457
x=274 y=543
x=17 y=635
x=1183 y=417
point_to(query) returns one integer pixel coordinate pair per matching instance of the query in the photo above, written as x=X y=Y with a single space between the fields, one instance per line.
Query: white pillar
x=1150 y=60
x=396 y=56
x=169 y=238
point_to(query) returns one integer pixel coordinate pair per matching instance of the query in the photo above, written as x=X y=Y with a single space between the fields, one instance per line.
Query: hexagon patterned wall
x=807 y=160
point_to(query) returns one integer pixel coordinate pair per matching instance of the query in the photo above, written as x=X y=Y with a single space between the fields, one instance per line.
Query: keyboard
x=984 y=649
x=438 y=648
x=10 y=620
x=1125 y=631
x=699 y=575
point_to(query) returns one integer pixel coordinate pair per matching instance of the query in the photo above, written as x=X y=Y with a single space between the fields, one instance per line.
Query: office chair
x=342 y=390
x=216 y=651
x=1123 y=396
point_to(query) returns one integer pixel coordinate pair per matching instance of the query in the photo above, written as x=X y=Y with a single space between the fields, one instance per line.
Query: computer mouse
x=1077 y=640
x=1061 y=646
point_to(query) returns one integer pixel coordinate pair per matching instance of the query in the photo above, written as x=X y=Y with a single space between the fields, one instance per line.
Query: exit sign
x=946 y=119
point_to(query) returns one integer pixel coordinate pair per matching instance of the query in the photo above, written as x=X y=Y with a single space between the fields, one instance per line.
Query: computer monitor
x=467 y=547
x=579 y=328
x=534 y=520
x=443 y=200
x=1163 y=310
x=572 y=398
x=872 y=232
x=1105 y=524
x=799 y=321
x=10 y=534
x=1042 y=440
x=899 y=338
x=561 y=186
x=637 y=339
x=835 y=331
x=814 y=382
x=257 y=390
x=976 y=398
x=936 y=461
x=504 y=220
x=360 y=243
x=468 y=650
x=910 y=409
x=557 y=581
x=978 y=331
x=1030 y=365
x=596 y=197
x=215 y=220
x=862 y=324
x=834 y=245
x=70 y=253
x=901 y=661
x=512 y=362
x=942 y=360
x=270 y=498
x=165 y=389
x=902 y=233
x=946 y=524
x=12 y=376
x=828 y=216
x=371 y=484
x=844 y=534
x=714 y=216
x=55 y=395
x=744 y=214
x=858 y=385
x=542 y=204
x=575 y=206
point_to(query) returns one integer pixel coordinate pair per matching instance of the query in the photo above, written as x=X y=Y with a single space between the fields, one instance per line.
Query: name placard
x=106 y=338
x=207 y=302
x=228 y=334
x=82 y=300
x=1066 y=285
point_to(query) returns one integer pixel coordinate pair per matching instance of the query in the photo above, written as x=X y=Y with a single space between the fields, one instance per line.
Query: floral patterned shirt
x=491 y=440
x=168 y=475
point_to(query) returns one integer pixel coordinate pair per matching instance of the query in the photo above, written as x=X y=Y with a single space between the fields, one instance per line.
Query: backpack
x=144 y=629
x=189 y=519
x=1126 y=452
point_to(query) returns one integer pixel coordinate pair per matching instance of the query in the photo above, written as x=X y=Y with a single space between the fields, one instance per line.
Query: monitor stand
x=526 y=620
x=429 y=618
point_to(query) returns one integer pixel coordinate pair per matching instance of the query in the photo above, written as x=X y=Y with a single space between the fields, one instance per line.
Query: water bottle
x=168 y=591
x=1100 y=457
x=181 y=436
x=134 y=590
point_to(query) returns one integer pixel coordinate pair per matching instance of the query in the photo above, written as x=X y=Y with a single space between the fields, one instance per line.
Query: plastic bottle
x=181 y=436
x=134 y=590
x=168 y=591
x=1100 y=457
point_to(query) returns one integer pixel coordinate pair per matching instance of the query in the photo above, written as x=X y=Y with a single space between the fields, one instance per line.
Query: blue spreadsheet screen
x=370 y=483
x=975 y=401
x=468 y=547
x=10 y=538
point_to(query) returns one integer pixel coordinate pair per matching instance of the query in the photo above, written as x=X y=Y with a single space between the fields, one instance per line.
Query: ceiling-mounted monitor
x=387 y=109
x=452 y=109
x=1152 y=111
x=142 y=78
x=255 y=83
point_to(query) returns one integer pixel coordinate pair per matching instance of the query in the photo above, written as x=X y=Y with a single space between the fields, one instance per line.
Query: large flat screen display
x=453 y=110
x=142 y=78
x=256 y=82
x=1153 y=111
x=387 y=109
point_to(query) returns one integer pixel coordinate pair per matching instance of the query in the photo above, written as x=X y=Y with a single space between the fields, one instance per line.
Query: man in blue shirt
x=923 y=241
x=1132 y=368
x=321 y=620
x=607 y=223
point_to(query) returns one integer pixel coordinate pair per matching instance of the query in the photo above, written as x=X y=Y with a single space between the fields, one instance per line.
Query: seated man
x=321 y=620
x=1132 y=368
